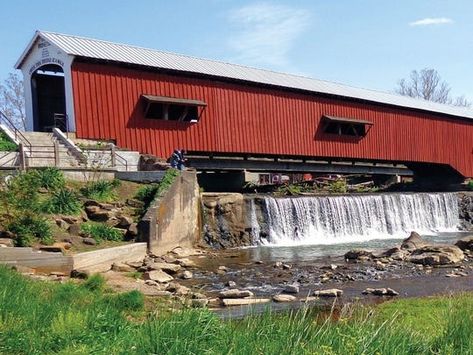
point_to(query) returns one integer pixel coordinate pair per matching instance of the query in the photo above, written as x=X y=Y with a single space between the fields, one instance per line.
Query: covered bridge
x=154 y=102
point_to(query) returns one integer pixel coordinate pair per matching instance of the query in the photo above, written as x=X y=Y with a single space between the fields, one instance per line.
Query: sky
x=363 y=43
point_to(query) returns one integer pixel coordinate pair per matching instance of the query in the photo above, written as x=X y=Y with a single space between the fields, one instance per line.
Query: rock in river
x=465 y=243
x=437 y=255
x=332 y=292
x=158 y=276
x=284 y=298
x=235 y=293
x=414 y=241
x=358 y=254
x=380 y=292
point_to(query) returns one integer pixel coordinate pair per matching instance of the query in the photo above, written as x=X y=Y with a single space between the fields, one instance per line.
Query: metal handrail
x=61 y=121
x=122 y=159
x=18 y=135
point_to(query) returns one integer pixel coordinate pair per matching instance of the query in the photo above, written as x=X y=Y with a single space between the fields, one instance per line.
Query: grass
x=6 y=144
x=101 y=232
x=147 y=193
x=51 y=318
x=101 y=190
x=63 y=201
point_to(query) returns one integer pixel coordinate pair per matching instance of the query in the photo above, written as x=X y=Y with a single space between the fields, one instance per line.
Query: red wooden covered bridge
x=234 y=117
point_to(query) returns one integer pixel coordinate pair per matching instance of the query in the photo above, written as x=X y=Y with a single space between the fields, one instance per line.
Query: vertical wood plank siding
x=247 y=119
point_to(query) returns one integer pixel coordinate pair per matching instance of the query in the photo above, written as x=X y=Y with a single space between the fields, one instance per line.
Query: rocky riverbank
x=202 y=278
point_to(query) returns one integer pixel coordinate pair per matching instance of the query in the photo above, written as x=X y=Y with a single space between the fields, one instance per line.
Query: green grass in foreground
x=47 y=318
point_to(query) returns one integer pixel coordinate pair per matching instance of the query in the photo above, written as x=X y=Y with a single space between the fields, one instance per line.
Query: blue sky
x=364 y=43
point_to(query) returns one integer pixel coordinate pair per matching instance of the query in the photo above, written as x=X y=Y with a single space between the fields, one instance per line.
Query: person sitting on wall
x=175 y=159
x=182 y=159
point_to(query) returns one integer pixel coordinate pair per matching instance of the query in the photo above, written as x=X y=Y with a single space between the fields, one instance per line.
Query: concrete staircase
x=46 y=150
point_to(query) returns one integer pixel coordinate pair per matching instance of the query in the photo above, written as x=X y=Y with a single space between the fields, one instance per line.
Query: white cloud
x=264 y=33
x=429 y=21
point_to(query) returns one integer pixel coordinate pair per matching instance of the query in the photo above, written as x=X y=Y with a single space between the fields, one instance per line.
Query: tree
x=12 y=100
x=428 y=85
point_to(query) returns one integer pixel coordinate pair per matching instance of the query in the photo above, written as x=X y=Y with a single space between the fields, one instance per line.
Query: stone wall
x=228 y=219
x=174 y=219
x=466 y=210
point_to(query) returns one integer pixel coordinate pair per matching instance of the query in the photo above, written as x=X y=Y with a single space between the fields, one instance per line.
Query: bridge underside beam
x=273 y=165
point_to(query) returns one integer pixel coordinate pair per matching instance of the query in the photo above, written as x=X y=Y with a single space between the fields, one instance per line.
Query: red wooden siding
x=246 y=119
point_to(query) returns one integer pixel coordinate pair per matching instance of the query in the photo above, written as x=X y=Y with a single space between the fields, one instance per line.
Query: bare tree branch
x=428 y=85
x=12 y=100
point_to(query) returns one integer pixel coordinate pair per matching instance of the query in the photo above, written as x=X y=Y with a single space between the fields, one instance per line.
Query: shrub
x=147 y=193
x=102 y=190
x=101 y=232
x=470 y=185
x=338 y=186
x=289 y=189
x=50 y=178
x=95 y=283
x=63 y=201
x=30 y=227
x=22 y=191
x=6 y=145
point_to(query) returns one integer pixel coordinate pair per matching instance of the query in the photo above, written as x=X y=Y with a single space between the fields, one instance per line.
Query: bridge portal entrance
x=49 y=98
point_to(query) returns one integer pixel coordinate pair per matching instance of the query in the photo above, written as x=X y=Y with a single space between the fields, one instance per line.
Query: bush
x=102 y=190
x=101 y=232
x=149 y=192
x=339 y=186
x=470 y=185
x=29 y=228
x=50 y=178
x=95 y=283
x=6 y=145
x=63 y=201
x=22 y=191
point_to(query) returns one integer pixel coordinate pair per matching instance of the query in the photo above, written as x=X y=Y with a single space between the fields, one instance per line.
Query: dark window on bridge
x=172 y=109
x=345 y=126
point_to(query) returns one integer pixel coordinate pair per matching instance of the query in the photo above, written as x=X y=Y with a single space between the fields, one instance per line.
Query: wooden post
x=21 y=158
x=112 y=152
x=56 y=154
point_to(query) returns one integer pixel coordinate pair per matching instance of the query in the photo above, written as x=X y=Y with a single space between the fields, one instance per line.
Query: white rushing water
x=345 y=219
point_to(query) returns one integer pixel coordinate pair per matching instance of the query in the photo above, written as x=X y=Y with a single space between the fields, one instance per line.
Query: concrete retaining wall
x=102 y=259
x=174 y=219
x=39 y=260
x=92 y=261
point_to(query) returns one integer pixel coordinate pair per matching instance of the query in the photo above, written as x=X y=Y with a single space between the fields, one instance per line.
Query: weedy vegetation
x=52 y=318
x=101 y=190
x=101 y=232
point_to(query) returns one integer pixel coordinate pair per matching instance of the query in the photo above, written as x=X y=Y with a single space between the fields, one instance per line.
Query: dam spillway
x=354 y=218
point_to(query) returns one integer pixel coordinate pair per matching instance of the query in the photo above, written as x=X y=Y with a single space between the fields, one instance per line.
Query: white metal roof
x=104 y=50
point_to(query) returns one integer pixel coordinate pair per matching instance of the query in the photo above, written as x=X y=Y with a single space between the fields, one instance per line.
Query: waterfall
x=253 y=219
x=341 y=219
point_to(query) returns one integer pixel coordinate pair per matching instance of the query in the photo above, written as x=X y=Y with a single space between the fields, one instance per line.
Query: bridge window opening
x=49 y=98
x=345 y=126
x=172 y=109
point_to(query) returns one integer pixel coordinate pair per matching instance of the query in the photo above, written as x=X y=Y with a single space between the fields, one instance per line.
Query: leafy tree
x=12 y=100
x=428 y=85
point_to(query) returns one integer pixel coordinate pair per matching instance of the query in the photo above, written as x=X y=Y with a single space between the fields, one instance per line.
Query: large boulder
x=414 y=242
x=437 y=255
x=358 y=254
x=465 y=243
x=158 y=276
